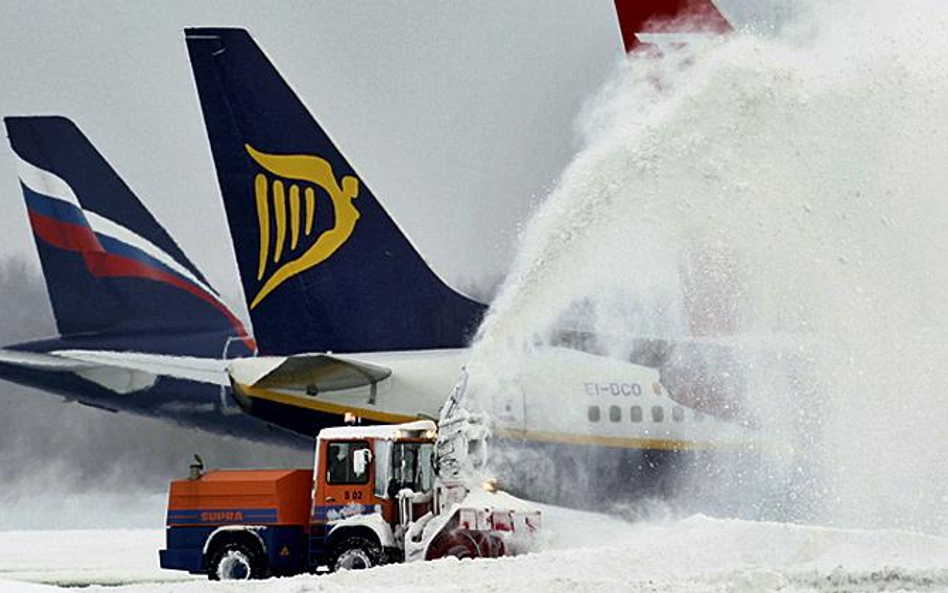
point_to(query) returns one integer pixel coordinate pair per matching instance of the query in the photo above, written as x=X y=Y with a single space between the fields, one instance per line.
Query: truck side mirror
x=361 y=458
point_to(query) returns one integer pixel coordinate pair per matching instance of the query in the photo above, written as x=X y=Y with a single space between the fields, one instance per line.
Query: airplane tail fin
x=667 y=21
x=323 y=266
x=112 y=271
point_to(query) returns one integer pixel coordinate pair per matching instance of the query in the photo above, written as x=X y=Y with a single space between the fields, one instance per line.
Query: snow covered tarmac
x=581 y=552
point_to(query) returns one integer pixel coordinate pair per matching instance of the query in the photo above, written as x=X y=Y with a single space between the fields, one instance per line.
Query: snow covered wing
x=315 y=373
x=36 y=360
x=307 y=392
x=202 y=370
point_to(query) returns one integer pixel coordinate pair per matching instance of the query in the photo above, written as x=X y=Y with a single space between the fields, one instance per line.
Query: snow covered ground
x=581 y=552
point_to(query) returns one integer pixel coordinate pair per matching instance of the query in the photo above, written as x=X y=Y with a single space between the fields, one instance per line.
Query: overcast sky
x=458 y=115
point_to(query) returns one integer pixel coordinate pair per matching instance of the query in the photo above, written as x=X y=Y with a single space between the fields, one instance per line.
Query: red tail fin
x=638 y=18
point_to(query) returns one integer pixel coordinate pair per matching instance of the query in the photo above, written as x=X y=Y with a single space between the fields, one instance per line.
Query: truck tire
x=356 y=553
x=458 y=543
x=235 y=561
x=482 y=540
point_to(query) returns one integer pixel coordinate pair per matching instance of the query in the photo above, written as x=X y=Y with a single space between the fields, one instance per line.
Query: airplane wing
x=42 y=361
x=202 y=370
x=115 y=377
x=298 y=392
x=311 y=373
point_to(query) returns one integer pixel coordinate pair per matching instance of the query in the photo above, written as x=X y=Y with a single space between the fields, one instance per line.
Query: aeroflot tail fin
x=111 y=269
x=646 y=22
x=324 y=267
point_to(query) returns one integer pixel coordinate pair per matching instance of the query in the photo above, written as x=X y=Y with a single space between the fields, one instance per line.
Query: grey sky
x=458 y=115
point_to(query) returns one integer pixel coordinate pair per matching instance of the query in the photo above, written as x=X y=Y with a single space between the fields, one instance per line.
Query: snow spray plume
x=790 y=192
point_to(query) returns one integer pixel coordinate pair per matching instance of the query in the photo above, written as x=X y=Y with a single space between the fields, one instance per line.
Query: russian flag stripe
x=66 y=226
x=53 y=207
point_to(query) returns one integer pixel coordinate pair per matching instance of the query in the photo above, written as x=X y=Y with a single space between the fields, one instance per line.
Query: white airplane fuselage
x=557 y=395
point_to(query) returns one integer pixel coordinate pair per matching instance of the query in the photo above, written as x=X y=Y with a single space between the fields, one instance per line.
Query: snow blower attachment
x=462 y=440
x=375 y=495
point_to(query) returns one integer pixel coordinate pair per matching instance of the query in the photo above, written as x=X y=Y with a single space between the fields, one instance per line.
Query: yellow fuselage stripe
x=322 y=406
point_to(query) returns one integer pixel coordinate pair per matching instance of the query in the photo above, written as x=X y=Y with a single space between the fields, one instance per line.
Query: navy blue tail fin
x=112 y=272
x=324 y=267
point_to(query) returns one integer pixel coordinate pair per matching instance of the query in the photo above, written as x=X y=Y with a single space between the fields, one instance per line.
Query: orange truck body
x=270 y=497
x=270 y=506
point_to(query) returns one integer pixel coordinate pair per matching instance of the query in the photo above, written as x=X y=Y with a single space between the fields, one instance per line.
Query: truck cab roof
x=419 y=428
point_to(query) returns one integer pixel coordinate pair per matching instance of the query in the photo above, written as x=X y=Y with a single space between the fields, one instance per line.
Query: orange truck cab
x=349 y=512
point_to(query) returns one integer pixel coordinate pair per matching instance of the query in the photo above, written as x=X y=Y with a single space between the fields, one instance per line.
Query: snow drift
x=588 y=552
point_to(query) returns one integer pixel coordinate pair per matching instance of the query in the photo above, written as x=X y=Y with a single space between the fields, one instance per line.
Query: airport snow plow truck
x=374 y=496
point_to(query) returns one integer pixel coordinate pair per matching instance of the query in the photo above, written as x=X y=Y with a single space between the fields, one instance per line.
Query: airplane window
x=635 y=413
x=678 y=414
x=658 y=413
x=593 y=413
x=615 y=413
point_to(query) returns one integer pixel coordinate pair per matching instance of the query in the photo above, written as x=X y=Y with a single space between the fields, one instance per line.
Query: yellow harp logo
x=290 y=201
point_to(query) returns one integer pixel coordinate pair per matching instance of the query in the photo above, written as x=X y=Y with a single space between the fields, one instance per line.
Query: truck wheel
x=483 y=543
x=356 y=553
x=459 y=544
x=235 y=562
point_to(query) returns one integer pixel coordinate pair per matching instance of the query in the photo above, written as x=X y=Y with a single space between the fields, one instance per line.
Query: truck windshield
x=412 y=467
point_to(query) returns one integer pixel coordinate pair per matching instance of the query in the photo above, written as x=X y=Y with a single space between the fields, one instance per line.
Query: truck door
x=345 y=484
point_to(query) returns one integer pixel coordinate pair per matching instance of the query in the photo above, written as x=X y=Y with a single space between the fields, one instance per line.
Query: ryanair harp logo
x=288 y=203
